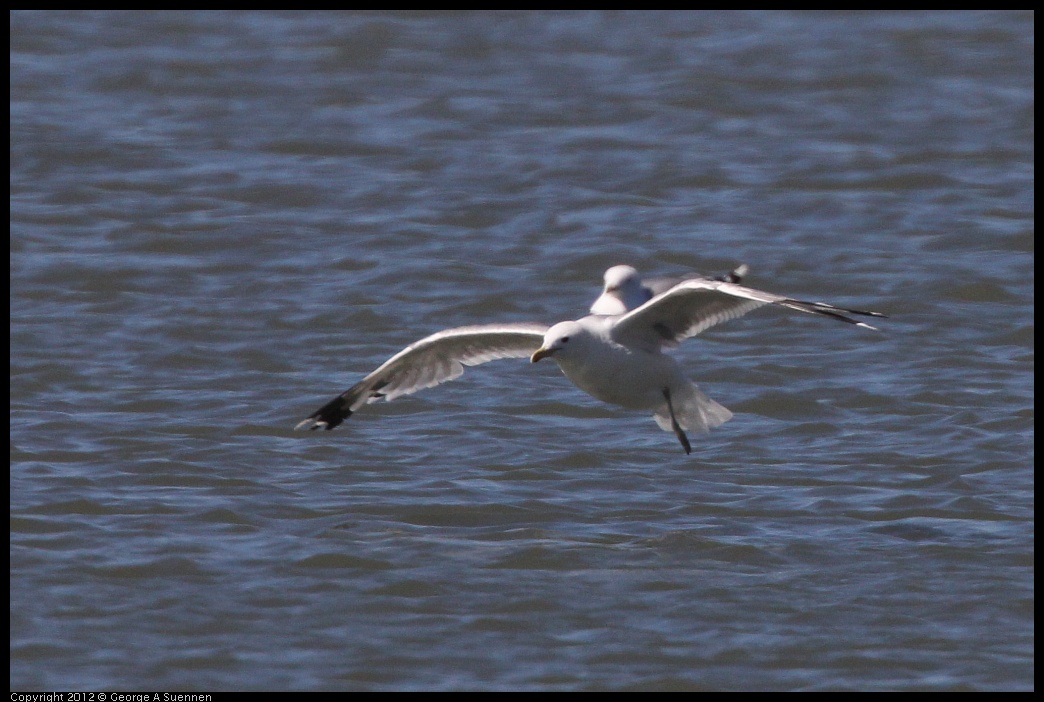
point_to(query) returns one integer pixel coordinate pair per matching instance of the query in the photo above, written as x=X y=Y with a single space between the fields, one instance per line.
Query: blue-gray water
x=219 y=221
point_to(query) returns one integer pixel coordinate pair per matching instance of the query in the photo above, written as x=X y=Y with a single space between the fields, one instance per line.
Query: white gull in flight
x=615 y=357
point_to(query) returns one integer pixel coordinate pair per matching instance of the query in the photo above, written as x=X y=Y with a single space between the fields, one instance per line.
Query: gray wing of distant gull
x=697 y=304
x=658 y=286
x=429 y=362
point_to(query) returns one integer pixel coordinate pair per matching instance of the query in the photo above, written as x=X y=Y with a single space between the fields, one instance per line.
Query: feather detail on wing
x=697 y=304
x=433 y=360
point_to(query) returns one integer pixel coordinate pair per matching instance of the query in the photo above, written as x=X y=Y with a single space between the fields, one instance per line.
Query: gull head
x=621 y=278
x=563 y=338
x=621 y=291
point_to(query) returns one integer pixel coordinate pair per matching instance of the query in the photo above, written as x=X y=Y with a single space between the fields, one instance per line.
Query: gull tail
x=693 y=410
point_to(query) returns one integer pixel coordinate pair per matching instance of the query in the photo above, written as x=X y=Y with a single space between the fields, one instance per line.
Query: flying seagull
x=617 y=358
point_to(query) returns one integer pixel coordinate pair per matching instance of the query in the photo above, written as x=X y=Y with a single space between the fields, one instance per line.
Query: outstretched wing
x=694 y=305
x=429 y=362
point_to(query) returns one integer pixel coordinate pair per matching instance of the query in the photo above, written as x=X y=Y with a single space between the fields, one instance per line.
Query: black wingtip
x=839 y=313
x=328 y=416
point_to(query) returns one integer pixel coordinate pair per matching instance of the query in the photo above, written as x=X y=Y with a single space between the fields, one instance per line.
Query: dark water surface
x=219 y=221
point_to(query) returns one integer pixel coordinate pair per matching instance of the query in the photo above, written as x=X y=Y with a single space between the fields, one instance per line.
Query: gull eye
x=565 y=339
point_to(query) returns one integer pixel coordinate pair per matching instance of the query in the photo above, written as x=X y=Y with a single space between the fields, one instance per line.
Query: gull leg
x=674 y=423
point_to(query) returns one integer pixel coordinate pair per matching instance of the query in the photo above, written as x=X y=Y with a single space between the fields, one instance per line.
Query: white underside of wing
x=442 y=356
x=698 y=304
x=687 y=309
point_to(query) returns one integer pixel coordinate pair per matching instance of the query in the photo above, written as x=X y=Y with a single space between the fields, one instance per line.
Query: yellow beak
x=540 y=353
